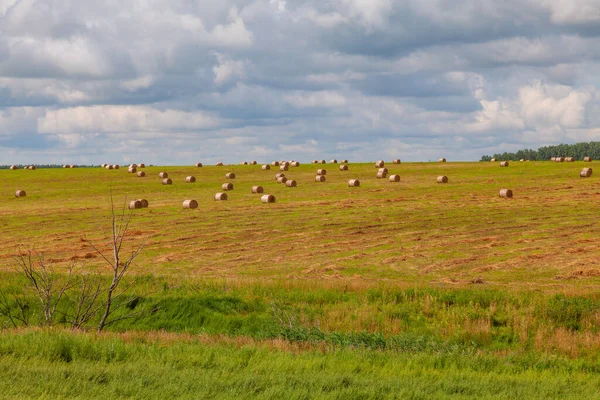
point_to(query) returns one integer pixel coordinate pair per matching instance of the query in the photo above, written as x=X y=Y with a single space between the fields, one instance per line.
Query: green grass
x=164 y=366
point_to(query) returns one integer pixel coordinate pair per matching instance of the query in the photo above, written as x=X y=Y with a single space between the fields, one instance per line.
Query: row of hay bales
x=556 y=159
x=569 y=159
x=584 y=173
x=382 y=172
x=220 y=196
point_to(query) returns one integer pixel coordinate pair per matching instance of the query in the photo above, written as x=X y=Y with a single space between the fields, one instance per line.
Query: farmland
x=331 y=291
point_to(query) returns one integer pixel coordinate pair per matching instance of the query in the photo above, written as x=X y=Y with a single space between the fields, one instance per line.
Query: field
x=402 y=290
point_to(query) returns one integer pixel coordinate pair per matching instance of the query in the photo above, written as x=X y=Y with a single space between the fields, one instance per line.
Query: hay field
x=411 y=289
x=413 y=231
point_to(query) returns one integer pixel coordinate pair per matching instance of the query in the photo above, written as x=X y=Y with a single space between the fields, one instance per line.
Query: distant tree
x=577 y=150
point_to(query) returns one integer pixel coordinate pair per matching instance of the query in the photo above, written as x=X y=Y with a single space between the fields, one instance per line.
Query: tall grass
x=60 y=364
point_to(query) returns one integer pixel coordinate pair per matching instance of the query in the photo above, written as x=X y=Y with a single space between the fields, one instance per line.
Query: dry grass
x=447 y=235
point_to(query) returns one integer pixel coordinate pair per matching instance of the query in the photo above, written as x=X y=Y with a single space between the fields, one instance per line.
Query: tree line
x=577 y=151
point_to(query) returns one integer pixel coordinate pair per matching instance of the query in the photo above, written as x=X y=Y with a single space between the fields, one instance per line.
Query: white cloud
x=142 y=82
x=227 y=69
x=370 y=13
x=326 y=99
x=234 y=33
x=548 y=105
x=566 y=12
x=122 y=119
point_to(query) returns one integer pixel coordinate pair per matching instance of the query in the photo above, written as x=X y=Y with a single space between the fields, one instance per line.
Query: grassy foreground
x=168 y=366
x=389 y=290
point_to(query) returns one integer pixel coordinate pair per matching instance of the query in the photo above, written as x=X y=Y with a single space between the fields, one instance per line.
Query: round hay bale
x=283 y=167
x=144 y=203
x=221 y=196
x=552 y=158
x=115 y=166
x=32 y=167
x=267 y=198
x=244 y=163
x=381 y=175
x=442 y=179
x=219 y=164
x=134 y=204
x=504 y=163
x=493 y=160
x=167 y=181
x=140 y=174
x=275 y=163
x=379 y=164
x=334 y=161
x=199 y=164
x=570 y=159
x=230 y=175
x=291 y=183
x=442 y=159
x=103 y=165
x=133 y=166
x=282 y=179
x=284 y=163
x=343 y=167
x=585 y=173
x=321 y=172
x=253 y=162
x=322 y=162
x=75 y=166
x=506 y=193
x=14 y=167
x=142 y=165
x=559 y=159
x=320 y=178
x=65 y=166
x=190 y=179
x=383 y=170
x=279 y=175
x=266 y=167
x=20 y=193
x=344 y=161
x=295 y=164
x=191 y=204
x=394 y=178
x=257 y=189
x=314 y=161
x=163 y=175
x=353 y=183
x=397 y=161
x=587 y=159
x=108 y=167
x=132 y=170
x=227 y=186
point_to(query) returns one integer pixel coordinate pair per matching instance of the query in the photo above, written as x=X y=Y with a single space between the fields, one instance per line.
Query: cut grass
x=414 y=231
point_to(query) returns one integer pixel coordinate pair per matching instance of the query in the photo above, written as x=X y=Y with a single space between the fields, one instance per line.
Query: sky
x=176 y=82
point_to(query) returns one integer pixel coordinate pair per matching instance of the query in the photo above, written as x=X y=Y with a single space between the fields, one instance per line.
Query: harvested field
x=445 y=231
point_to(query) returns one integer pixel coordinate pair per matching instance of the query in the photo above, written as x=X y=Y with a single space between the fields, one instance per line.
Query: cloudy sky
x=182 y=81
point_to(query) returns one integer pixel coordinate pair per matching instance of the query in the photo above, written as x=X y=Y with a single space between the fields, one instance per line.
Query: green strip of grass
x=46 y=364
